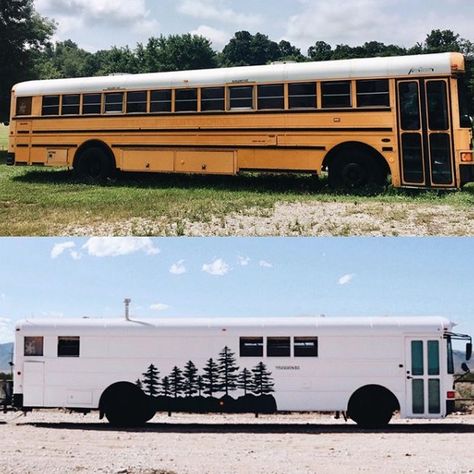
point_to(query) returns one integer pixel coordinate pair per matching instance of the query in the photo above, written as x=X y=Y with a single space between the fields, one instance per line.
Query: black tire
x=125 y=405
x=94 y=163
x=354 y=169
x=372 y=407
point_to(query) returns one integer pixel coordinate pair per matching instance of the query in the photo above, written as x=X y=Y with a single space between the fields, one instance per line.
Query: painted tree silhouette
x=139 y=384
x=211 y=378
x=262 y=380
x=227 y=370
x=165 y=387
x=245 y=381
x=190 y=379
x=200 y=385
x=151 y=380
x=176 y=381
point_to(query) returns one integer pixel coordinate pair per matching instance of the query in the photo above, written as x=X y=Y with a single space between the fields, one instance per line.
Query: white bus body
x=352 y=365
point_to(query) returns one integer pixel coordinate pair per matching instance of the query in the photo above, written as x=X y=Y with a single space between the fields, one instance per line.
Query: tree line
x=28 y=53
x=221 y=375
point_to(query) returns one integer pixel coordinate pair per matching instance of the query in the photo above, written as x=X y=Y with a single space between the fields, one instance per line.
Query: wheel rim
x=93 y=167
x=354 y=175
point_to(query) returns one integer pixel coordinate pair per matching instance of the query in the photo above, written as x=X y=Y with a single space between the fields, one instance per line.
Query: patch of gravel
x=304 y=219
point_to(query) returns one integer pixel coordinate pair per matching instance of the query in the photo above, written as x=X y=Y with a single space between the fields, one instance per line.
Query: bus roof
x=136 y=326
x=394 y=66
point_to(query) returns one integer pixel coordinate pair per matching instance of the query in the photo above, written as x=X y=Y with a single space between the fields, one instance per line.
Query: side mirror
x=465 y=367
x=468 y=350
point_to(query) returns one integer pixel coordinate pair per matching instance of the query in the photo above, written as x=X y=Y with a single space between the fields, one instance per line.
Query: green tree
x=176 y=381
x=151 y=380
x=113 y=61
x=165 y=388
x=441 y=40
x=288 y=52
x=245 y=381
x=227 y=370
x=262 y=380
x=210 y=378
x=23 y=35
x=190 y=379
x=320 y=51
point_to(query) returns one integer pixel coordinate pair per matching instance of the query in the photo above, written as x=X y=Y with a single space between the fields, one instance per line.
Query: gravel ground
x=58 y=442
x=305 y=219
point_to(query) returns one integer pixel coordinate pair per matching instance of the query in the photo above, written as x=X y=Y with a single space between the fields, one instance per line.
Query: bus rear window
x=33 y=346
x=68 y=346
x=50 y=105
x=23 y=105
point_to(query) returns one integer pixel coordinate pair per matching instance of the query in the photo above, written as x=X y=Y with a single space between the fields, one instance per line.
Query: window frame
x=127 y=102
x=177 y=100
x=36 y=354
x=266 y=98
x=104 y=103
x=69 y=338
x=29 y=106
x=78 y=105
x=307 y=338
x=44 y=107
x=292 y=95
x=94 y=104
x=230 y=99
x=274 y=339
x=385 y=93
x=260 y=344
x=326 y=95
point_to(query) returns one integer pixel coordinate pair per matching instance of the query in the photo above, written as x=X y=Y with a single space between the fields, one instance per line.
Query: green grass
x=41 y=201
x=3 y=137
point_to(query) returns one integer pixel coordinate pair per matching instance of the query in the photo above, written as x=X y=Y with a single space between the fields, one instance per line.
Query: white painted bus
x=128 y=369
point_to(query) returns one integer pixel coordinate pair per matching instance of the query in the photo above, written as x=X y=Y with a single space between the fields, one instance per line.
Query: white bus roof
x=328 y=325
x=395 y=66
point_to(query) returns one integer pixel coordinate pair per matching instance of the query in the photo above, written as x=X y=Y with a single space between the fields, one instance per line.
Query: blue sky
x=173 y=277
x=96 y=24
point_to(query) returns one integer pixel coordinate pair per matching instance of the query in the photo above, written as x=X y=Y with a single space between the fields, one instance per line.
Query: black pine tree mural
x=211 y=378
x=190 y=385
x=245 y=381
x=227 y=370
x=176 y=381
x=165 y=387
x=200 y=385
x=262 y=381
x=139 y=384
x=151 y=380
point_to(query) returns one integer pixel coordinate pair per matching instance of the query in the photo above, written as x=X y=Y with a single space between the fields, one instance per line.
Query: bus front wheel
x=93 y=163
x=124 y=404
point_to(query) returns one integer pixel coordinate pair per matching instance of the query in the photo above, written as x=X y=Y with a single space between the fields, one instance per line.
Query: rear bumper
x=10 y=159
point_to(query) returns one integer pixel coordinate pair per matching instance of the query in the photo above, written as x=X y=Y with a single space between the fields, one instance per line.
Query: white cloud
x=118 y=246
x=58 y=249
x=218 y=38
x=178 y=268
x=7 y=333
x=159 y=307
x=218 y=267
x=243 y=261
x=75 y=255
x=265 y=264
x=218 y=10
x=345 y=279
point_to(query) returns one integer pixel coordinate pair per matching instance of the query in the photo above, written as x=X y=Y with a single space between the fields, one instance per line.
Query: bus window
x=302 y=95
x=91 y=104
x=185 y=100
x=278 y=346
x=70 y=104
x=271 y=96
x=433 y=358
x=23 y=105
x=336 y=94
x=50 y=105
x=437 y=105
x=160 y=101
x=136 y=102
x=33 y=346
x=251 y=347
x=450 y=356
x=305 y=347
x=212 y=98
x=241 y=98
x=409 y=105
x=373 y=93
x=464 y=117
x=113 y=103
x=68 y=346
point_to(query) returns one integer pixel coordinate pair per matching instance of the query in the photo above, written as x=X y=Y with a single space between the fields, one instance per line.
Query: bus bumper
x=10 y=159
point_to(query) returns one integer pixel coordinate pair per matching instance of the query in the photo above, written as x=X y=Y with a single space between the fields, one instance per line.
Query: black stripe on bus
x=222 y=147
x=222 y=130
x=56 y=145
x=22 y=145
x=387 y=148
x=23 y=132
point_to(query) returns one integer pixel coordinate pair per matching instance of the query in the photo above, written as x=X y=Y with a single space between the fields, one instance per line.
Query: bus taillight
x=466 y=156
x=450 y=394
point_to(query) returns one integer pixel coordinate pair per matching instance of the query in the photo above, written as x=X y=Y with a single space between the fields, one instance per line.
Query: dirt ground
x=305 y=219
x=59 y=442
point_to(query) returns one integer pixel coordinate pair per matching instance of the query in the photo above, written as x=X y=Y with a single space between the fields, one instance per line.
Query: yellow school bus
x=361 y=120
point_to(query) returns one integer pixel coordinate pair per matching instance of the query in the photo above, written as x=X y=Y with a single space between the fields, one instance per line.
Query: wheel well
x=362 y=148
x=112 y=391
x=94 y=144
x=372 y=393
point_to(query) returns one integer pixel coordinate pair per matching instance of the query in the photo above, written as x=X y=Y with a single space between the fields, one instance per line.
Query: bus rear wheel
x=372 y=406
x=125 y=405
x=93 y=163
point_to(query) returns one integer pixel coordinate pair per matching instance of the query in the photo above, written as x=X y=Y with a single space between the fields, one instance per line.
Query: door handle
x=409 y=377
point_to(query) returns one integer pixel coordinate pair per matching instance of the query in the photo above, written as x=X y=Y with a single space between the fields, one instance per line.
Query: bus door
x=425 y=133
x=423 y=382
x=33 y=383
